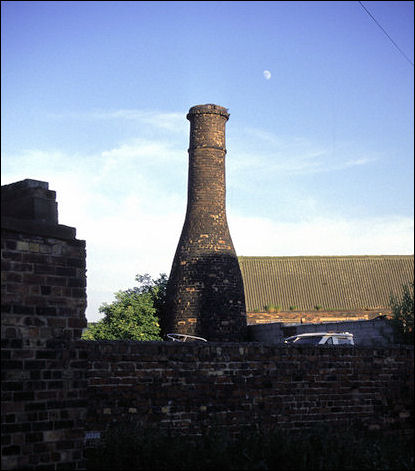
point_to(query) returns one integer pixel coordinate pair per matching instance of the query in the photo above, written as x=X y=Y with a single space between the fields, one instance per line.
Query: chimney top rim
x=208 y=109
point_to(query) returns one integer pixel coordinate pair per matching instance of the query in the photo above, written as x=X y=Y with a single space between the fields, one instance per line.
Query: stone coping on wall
x=37 y=228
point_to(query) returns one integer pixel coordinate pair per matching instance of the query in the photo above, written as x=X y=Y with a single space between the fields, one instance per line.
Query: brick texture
x=188 y=387
x=205 y=295
x=43 y=305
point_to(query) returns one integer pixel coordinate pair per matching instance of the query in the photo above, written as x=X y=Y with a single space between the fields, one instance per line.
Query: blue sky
x=320 y=151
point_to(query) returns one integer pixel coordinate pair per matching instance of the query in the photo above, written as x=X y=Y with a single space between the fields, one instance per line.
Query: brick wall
x=189 y=387
x=43 y=305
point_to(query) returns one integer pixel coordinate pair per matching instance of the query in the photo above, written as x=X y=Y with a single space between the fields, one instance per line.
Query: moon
x=267 y=74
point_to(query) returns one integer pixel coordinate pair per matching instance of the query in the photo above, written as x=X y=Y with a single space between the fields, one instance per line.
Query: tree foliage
x=134 y=315
x=403 y=315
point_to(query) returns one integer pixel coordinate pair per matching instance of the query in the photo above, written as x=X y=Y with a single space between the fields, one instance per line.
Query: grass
x=129 y=447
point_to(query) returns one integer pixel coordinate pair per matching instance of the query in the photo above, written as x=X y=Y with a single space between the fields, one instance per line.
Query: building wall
x=189 y=387
x=375 y=332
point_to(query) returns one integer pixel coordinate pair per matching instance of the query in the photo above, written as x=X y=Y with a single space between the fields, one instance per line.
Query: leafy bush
x=403 y=315
x=134 y=315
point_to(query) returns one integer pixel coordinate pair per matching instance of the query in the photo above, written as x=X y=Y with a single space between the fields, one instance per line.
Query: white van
x=321 y=338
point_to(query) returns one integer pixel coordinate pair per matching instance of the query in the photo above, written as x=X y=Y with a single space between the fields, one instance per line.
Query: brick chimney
x=205 y=294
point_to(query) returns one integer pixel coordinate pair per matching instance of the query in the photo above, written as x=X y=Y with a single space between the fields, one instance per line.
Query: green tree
x=403 y=315
x=134 y=315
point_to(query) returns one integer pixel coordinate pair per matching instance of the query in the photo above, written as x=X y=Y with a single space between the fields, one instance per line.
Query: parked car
x=321 y=338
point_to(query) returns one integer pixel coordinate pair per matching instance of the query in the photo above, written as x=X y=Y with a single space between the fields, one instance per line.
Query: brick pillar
x=42 y=315
x=205 y=295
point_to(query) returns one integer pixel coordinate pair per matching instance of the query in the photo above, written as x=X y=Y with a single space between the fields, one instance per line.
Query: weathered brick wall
x=43 y=306
x=189 y=387
x=43 y=282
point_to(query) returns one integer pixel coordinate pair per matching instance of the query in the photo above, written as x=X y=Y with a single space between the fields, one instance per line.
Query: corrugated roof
x=335 y=282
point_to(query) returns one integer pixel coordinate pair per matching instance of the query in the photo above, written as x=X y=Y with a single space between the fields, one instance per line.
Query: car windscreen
x=344 y=340
x=313 y=340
